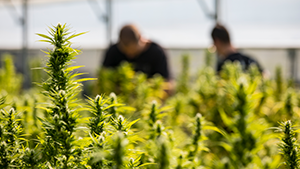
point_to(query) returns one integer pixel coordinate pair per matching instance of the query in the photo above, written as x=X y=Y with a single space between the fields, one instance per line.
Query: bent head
x=129 y=41
x=220 y=37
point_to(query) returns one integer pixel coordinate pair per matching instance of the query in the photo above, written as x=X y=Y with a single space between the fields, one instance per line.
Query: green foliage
x=10 y=80
x=37 y=74
x=279 y=83
x=209 y=57
x=211 y=121
x=183 y=80
x=289 y=146
x=61 y=88
x=131 y=88
x=196 y=136
x=163 y=155
x=97 y=107
x=10 y=142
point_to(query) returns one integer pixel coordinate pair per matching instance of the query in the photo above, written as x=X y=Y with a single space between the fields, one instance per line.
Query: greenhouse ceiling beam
x=109 y=21
x=212 y=15
x=23 y=21
x=13 y=11
x=97 y=10
x=106 y=17
x=25 y=43
x=19 y=2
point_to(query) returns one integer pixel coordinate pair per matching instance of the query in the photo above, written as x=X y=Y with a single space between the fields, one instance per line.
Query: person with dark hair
x=226 y=52
x=145 y=56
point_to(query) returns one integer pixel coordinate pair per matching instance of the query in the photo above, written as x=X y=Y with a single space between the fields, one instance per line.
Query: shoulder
x=112 y=48
x=156 y=49
x=155 y=46
x=113 y=51
x=112 y=56
x=236 y=56
x=245 y=60
x=240 y=57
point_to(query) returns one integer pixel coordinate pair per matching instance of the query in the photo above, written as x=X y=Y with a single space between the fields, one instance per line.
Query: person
x=145 y=56
x=227 y=52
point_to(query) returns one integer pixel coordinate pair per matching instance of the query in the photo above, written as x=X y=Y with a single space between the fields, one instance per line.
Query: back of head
x=129 y=34
x=220 y=32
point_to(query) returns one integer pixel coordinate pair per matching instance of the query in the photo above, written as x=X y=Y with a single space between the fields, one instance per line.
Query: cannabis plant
x=246 y=130
x=110 y=135
x=98 y=107
x=10 y=80
x=196 y=136
x=163 y=154
x=279 y=83
x=289 y=145
x=132 y=88
x=62 y=88
x=10 y=142
x=183 y=80
x=210 y=57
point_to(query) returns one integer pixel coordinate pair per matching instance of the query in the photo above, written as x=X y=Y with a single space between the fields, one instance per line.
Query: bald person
x=145 y=56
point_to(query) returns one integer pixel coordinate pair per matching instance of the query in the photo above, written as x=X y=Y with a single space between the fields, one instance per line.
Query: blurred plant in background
x=10 y=80
x=210 y=121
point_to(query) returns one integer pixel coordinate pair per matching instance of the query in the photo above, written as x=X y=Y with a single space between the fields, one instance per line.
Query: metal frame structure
x=23 y=21
x=215 y=15
x=107 y=18
x=104 y=16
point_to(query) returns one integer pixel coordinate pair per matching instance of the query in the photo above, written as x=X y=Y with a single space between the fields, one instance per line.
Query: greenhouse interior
x=149 y=84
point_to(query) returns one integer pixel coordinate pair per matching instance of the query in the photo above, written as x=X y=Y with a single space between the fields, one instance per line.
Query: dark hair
x=129 y=34
x=220 y=32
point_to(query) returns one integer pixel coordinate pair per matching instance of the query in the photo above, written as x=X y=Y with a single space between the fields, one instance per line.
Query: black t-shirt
x=151 y=61
x=245 y=61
